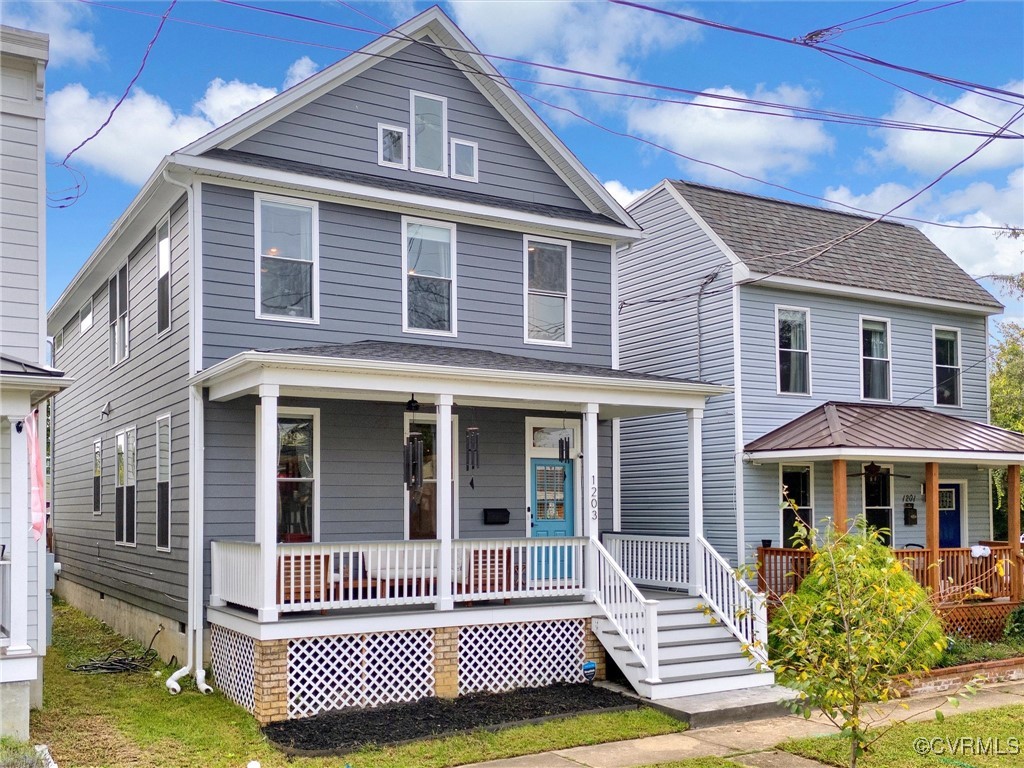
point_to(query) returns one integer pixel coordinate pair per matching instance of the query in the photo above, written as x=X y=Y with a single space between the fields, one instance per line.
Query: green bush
x=15 y=754
x=1015 y=624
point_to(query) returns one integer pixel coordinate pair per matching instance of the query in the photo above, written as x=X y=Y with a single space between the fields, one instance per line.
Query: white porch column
x=266 y=499
x=591 y=494
x=695 y=455
x=443 y=459
x=19 y=541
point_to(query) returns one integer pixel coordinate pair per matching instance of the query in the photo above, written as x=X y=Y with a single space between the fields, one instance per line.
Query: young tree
x=857 y=627
x=1006 y=388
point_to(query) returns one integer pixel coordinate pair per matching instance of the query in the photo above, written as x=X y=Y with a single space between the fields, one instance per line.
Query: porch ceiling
x=389 y=371
x=857 y=431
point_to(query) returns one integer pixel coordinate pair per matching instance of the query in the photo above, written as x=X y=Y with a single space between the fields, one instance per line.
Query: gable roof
x=888 y=256
x=433 y=25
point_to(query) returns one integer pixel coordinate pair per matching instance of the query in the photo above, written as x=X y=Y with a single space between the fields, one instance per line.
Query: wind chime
x=565 y=449
x=413 y=461
x=472 y=448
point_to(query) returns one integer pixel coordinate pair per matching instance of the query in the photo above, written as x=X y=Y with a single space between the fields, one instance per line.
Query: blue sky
x=197 y=77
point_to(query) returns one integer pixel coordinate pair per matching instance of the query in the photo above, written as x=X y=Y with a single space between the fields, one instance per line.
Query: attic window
x=391 y=146
x=429 y=133
x=464 y=166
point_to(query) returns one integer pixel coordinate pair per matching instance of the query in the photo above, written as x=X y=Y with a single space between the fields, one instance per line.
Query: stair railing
x=633 y=615
x=739 y=608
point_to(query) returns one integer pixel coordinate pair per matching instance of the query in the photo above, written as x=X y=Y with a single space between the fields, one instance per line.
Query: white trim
x=527 y=239
x=404 y=165
x=738 y=468
x=985 y=458
x=196 y=287
x=476 y=159
x=314 y=211
x=82 y=327
x=314 y=414
x=165 y=219
x=810 y=467
x=196 y=530
x=156 y=474
x=413 y=95
x=112 y=361
x=616 y=475
x=614 y=298
x=778 y=359
x=887 y=358
x=135 y=484
x=576 y=426
x=892 y=498
x=964 y=519
x=453 y=277
x=427 y=417
x=98 y=443
x=902 y=299
x=58 y=342
x=959 y=368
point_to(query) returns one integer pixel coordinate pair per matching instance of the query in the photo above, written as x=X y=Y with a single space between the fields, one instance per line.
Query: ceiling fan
x=873 y=470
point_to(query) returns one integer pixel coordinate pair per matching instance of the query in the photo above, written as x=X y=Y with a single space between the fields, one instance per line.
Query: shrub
x=1015 y=624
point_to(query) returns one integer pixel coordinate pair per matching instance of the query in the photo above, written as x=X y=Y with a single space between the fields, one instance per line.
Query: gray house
x=346 y=421
x=26 y=381
x=857 y=361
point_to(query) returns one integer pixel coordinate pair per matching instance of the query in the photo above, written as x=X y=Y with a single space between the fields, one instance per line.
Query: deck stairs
x=696 y=656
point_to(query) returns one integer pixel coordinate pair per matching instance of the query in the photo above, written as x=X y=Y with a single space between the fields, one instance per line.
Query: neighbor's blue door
x=949 y=515
x=551 y=504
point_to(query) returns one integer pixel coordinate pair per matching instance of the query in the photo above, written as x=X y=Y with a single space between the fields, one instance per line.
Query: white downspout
x=194 y=626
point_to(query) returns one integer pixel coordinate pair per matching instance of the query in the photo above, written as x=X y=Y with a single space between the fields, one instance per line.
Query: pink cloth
x=37 y=479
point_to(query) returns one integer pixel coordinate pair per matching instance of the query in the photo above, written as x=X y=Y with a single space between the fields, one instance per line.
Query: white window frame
x=156 y=527
x=381 y=127
x=887 y=358
x=165 y=221
x=532 y=452
x=527 y=239
x=778 y=366
x=412 y=133
x=97 y=452
x=406 y=328
x=135 y=484
x=959 y=368
x=431 y=418
x=782 y=512
x=314 y=206
x=86 y=322
x=475 y=177
x=114 y=361
x=314 y=414
x=58 y=341
x=892 y=498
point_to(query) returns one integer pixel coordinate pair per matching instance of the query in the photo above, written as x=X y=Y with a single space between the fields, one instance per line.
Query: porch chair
x=303 y=578
x=491 y=570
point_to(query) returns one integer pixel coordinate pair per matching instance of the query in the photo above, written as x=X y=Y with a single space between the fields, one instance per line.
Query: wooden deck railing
x=961 y=575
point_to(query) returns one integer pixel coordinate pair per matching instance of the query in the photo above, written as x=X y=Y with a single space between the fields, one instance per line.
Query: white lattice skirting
x=326 y=673
x=233 y=656
x=502 y=657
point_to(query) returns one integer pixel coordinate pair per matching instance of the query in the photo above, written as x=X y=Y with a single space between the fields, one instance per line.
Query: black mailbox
x=496 y=516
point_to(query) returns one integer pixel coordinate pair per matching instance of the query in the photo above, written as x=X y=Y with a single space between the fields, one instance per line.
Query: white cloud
x=68 y=43
x=144 y=128
x=756 y=145
x=299 y=71
x=881 y=199
x=931 y=153
x=623 y=194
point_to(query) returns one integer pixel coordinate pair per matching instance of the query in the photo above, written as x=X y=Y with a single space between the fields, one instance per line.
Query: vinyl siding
x=361 y=286
x=671 y=262
x=151 y=382
x=339 y=130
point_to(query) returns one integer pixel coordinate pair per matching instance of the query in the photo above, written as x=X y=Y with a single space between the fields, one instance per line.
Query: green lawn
x=896 y=749
x=131 y=720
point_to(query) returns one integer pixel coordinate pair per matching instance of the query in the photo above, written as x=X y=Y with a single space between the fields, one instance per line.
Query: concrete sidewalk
x=750 y=744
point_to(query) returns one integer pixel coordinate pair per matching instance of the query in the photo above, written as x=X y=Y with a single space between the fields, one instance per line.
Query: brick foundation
x=593 y=650
x=446 y=662
x=270 y=681
x=954 y=678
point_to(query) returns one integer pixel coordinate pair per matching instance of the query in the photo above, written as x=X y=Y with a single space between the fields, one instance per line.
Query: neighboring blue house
x=349 y=369
x=857 y=358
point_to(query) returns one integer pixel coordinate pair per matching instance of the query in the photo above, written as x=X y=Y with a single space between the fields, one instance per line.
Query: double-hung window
x=947 y=366
x=117 y=315
x=429 y=126
x=287 y=259
x=163 y=276
x=124 y=487
x=97 y=477
x=547 y=287
x=163 y=483
x=798 y=500
x=794 y=350
x=428 y=274
x=875 y=360
x=297 y=471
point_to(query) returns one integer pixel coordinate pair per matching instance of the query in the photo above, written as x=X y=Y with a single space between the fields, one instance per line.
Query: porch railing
x=5 y=601
x=235 y=573
x=651 y=560
x=960 y=574
x=739 y=608
x=488 y=569
x=634 y=616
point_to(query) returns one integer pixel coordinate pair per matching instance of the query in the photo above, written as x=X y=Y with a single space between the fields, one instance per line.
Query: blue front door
x=949 y=516
x=552 y=514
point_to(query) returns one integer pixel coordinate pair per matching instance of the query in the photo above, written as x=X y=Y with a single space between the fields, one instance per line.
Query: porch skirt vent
x=503 y=657
x=233 y=657
x=364 y=670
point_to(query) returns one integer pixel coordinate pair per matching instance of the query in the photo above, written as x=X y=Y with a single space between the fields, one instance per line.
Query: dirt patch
x=92 y=741
x=345 y=730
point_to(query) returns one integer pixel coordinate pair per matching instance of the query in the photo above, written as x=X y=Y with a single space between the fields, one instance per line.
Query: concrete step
x=673 y=669
x=696 y=684
x=721 y=707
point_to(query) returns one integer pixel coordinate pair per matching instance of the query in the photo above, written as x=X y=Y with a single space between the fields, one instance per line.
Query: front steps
x=695 y=656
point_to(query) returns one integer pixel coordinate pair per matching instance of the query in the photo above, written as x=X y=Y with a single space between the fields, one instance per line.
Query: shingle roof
x=454 y=357
x=15 y=366
x=888 y=256
x=855 y=425
x=403 y=185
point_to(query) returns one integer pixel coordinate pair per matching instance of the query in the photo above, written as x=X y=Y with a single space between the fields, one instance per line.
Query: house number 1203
x=593 y=497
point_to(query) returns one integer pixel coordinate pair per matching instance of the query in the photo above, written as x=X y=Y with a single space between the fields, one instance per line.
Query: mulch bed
x=348 y=729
